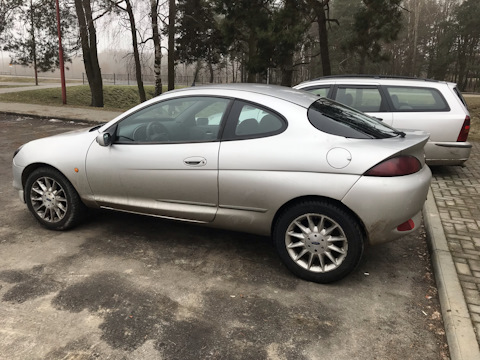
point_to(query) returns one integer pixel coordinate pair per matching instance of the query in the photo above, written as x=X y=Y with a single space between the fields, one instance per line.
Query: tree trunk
x=88 y=39
x=210 y=68
x=323 y=37
x=287 y=71
x=34 y=45
x=136 y=55
x=198 y=66
x=157 y=46
x=319 y=8
x=252 y=50
x=171 y=44
x=361 y=63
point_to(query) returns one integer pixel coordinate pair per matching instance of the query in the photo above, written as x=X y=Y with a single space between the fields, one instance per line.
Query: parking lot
x=124 y=286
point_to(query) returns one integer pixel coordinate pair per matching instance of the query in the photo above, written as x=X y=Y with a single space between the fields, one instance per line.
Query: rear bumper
x=384 y=203
x=447 y=153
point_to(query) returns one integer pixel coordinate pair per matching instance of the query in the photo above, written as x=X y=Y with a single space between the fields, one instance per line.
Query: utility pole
x=171 y=44
x=60 y=56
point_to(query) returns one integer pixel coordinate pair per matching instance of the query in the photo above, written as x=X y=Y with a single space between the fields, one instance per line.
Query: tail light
x=397 y=166
x=465 y=129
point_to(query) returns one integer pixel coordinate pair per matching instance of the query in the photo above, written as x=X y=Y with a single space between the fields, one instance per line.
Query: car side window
x=318 y=90
x=366 y=99
x=253 y=120
x=187 y=119
x=408 y=99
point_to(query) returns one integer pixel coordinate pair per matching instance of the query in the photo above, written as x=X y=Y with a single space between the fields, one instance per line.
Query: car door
x=366 y=98
x=163 y=160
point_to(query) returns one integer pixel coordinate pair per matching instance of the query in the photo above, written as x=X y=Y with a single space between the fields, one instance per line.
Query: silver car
x=320 y=178
x=436 y=107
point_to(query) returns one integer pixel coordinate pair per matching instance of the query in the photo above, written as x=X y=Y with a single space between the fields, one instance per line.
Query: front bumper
x=17 y=180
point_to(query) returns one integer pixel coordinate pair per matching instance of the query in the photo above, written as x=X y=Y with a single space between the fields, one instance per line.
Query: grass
x=116 y=97
x=31 y=80
x=474 y=108
x=11 y=86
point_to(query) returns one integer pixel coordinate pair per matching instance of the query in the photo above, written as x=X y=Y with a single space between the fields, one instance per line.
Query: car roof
x=298 y=97
x=375 y=79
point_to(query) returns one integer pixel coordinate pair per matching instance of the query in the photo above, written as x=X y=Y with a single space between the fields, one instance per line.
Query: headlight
x=16 y=151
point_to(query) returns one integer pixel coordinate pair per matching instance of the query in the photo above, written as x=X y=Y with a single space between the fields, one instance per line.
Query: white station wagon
x=436 y=107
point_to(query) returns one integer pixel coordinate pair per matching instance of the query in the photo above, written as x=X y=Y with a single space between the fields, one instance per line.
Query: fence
x=131 y=79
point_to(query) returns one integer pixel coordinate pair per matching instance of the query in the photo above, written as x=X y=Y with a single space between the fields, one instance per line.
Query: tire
x=53 y=200
x=318 y=241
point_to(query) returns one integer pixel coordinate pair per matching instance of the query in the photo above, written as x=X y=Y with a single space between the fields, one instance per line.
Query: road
x=131 y=287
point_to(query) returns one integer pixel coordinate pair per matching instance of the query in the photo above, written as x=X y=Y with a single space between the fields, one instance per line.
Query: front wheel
x=318 y=241
x=53 y=200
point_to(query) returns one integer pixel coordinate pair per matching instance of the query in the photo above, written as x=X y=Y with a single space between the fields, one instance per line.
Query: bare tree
x=126 y=6
x=157 y=46
x=88 y=38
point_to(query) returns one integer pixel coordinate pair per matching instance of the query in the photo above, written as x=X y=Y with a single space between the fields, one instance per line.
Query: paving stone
x=459 y=237
x=472 y=296
x=471 y=286
x=464 y=255
x=463 y=269
x=456 y=190
x=474 y=265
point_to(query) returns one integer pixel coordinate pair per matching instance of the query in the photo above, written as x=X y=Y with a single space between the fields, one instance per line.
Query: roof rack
x=376 y=77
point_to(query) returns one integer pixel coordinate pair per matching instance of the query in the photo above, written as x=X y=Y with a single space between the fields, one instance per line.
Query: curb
x=461 y=338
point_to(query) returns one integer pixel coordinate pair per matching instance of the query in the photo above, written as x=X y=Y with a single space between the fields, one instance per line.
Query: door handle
x=195 y=161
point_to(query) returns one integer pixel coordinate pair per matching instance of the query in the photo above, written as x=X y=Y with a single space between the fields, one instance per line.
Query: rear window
x=334 y=118
x=462 y=99
x=408 y=99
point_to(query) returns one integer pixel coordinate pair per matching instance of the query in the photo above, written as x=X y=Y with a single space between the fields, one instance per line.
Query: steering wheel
x=157 y=132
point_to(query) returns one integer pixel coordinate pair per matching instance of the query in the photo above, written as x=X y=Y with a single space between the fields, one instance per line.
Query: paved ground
x=129 y=287
x=456 y=191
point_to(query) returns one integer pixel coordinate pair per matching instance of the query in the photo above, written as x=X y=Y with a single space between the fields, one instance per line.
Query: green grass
x=11 y=86
x=474 y=108
x=31 y=80
x=115 y=97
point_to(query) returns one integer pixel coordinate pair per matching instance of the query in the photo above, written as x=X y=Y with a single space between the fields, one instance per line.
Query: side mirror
x=104 y=139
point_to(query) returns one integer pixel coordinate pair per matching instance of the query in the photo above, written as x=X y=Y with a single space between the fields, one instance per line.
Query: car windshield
x=337 y=119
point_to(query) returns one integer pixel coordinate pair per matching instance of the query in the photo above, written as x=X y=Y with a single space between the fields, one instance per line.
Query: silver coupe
x=320 y=178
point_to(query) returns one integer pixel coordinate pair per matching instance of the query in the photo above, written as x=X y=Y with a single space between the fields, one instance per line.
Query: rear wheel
x=53 y=200
x=318 y=241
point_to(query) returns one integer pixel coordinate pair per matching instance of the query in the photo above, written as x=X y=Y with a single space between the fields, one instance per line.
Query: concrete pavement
x=451 y=215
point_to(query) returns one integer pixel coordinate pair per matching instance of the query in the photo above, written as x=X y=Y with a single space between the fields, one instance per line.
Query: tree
x=321 y=11
x=7 y=8
x=289 y=28
x=40 y=48
x=468 y=38
x=198 y=36
x=126 y=7
x=245 y=25
x=377 y=22
x=88 y=38
x=157 y=46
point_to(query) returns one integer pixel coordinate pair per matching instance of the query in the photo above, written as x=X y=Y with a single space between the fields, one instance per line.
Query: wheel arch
x=335 y=202
x=32 y=167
